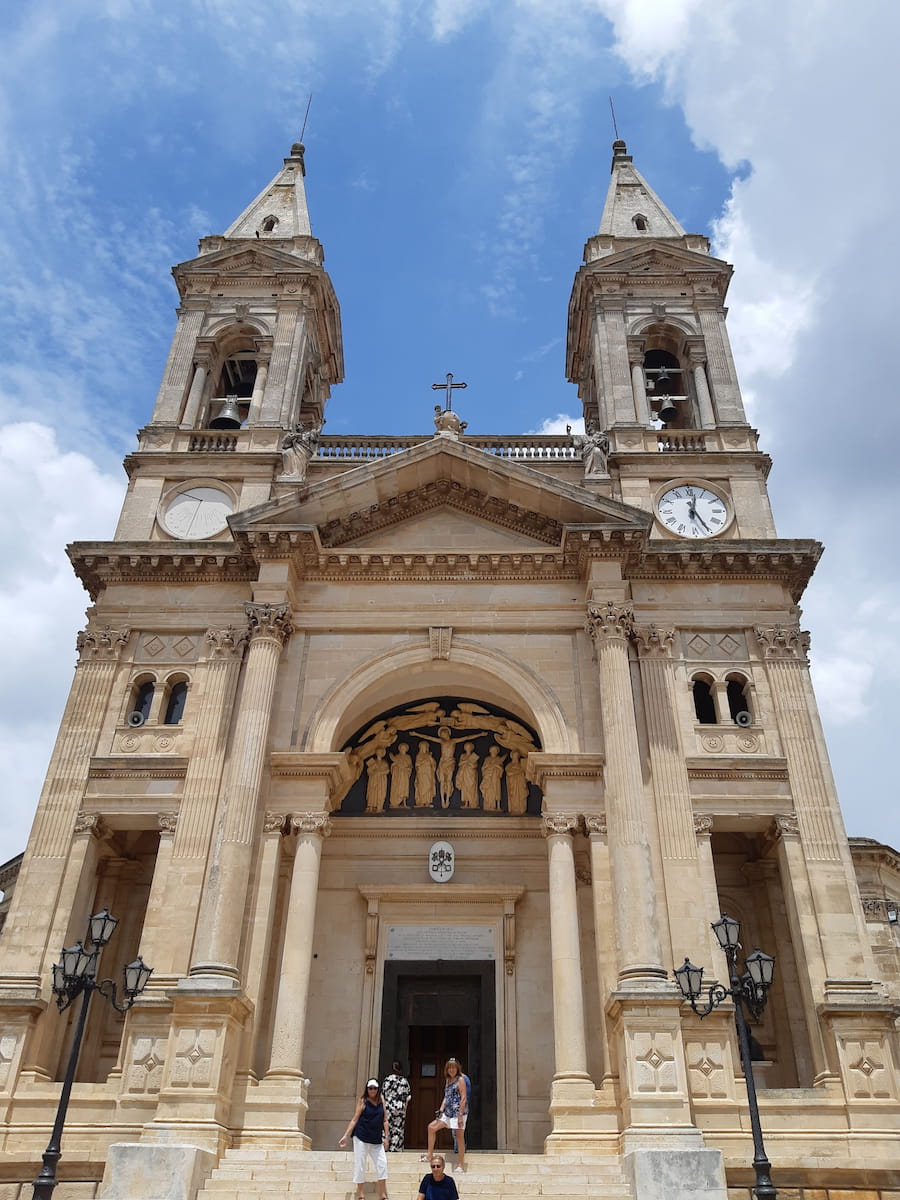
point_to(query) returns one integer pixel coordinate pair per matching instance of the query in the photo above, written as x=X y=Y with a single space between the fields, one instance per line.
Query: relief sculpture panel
x=449 y=754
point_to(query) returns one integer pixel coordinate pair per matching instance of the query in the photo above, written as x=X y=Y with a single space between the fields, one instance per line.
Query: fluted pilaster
x=565 y=948
x=610 y=625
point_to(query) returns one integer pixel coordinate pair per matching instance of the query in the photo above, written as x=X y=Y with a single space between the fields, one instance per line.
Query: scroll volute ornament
x=104 y=642
x=653 y=642
x=783 y=641
x=610 y=621
x=269 y=620
x=221 y=642
x=555 y=824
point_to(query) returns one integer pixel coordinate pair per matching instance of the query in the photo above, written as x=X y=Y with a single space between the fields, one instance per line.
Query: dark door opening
x=429 y=1048
x=433 y=1011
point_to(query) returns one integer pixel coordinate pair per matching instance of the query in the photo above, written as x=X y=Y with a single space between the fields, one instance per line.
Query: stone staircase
x=490 y=1175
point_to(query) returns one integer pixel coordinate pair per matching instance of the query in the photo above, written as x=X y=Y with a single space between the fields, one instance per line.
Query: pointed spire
x=632 y=208
x=279 y=211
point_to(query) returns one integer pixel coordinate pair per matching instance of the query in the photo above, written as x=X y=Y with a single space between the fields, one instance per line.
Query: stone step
x=245 y=1174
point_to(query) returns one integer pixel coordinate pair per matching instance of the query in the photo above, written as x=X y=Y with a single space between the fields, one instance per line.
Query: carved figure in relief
x=510 y=734
x=376 y=789
x=297 y=448
x=491 y=775
x=446 y=762
x=467 y=776
x=424 y=785
x=516 y=785
x=401 y=770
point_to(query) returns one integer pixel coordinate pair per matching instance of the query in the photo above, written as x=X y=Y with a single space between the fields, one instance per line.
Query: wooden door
x=429 y=1048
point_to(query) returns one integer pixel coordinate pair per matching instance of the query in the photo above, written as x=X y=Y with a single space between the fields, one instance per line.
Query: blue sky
x=457 y=159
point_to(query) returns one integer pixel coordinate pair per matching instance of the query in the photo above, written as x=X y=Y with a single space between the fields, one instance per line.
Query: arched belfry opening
x=667 y=379
x=444 y=754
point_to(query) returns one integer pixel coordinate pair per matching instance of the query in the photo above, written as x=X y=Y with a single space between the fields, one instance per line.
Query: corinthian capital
x=559 y=823
x=316 y=822
x=653 y=642
x=594 y=824
x=222 y=642
x=101 y=642
x=609 y=621
x=783 y=641
x=269 y=620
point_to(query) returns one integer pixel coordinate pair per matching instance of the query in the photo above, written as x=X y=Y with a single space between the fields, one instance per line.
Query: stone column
x=29 y=937
x=178 y=368
x=218 y=941
x=604 y=933
x=214 y=692
x=636 y=912
x=565 y=949
x=688 y=917
x=259 y=387
x=195 y=395
x=701 y=388
x=721 y=374
x=849 y=963
x=293 y=987
x=638 y=383
x=157 y=921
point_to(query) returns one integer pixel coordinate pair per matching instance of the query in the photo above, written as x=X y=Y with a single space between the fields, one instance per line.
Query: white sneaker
x=457 y=1170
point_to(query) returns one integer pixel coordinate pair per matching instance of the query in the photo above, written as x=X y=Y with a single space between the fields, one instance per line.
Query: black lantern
x=102 y=926
x=690 y=979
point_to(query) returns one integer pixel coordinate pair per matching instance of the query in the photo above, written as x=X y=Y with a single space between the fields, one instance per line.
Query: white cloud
x=57 y=495
x=561 y=423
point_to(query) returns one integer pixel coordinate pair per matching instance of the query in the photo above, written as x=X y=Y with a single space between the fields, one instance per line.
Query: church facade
x=409 y=747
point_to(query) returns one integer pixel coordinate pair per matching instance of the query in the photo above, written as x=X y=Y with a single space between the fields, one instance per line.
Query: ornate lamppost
x=749 y=991
x=76 y=975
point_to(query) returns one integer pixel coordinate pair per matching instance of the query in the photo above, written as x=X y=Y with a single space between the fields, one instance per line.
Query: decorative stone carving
x=867 y=1068
x=9 y=1046
x=193 y=1058
x=593 y=446
x=554 y=824
x=703 y=825
x=144 y=1073
x=706 y=1070
x=101 y=643
x=89 y=823
x=651 y=641
x=609 y=621
x=318 y=823
x=653 y=1061
x=297 y=448
x=785 y=825
x=439 y=638
x=596 y=825
x=269 y=620
x=167 y=822
x=783 y=641
x=714 y=743
x=274 y=822
x=225 y=641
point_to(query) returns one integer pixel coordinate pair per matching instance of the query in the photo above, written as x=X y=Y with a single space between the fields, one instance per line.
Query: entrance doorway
x=429 y=1048
x=433 y=1011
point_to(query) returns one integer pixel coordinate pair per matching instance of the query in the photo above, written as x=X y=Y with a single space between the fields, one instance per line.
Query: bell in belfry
x=667 y=409
x=228 y=416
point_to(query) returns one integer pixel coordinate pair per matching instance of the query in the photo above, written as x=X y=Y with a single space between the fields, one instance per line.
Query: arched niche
x=406 y=673
x=446 y=754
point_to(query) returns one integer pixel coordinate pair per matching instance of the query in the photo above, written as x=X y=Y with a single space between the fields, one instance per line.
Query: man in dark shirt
x=437 y=1185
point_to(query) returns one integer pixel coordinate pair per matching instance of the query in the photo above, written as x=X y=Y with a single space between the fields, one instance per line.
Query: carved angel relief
x=449 y=754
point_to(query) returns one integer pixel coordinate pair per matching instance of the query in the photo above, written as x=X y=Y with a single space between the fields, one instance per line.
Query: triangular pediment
x=447 y=528
x=659 y=258
x=441 y=489
x=244 y=261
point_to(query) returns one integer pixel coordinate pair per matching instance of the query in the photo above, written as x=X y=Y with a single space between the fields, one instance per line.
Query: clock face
x=198 y=513
x=692 y=511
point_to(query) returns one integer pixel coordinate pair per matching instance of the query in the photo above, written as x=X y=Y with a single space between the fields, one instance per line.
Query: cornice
x=788 y=562
x=491 y=827
x=99 y=564
x=764 y=769
x=155 y=766
x=431 y=893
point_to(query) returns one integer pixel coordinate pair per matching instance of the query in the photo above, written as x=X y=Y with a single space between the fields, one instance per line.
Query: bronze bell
x=667 y=409
x=228 y=416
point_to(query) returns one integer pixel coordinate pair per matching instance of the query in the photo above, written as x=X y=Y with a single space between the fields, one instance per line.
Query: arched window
x=738 y=705
x=233 y=391
x=269 y=224
x=704 y=704
x=666 y=389
x=640 y=222
x=142 y=698
x=175 y=703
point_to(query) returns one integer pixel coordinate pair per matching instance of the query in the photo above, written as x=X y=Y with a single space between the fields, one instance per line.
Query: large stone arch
x=408 y=672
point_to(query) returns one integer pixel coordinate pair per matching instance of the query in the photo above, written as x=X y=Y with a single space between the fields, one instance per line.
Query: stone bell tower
x=649 y=352
x=256 y=351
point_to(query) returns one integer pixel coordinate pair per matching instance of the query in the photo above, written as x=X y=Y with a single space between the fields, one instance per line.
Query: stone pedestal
x=138 y=1172
x=676 y=1174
